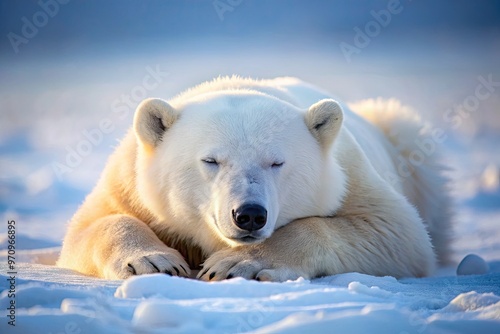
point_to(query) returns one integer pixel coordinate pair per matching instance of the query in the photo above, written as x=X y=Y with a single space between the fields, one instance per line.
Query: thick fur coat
x=268 y=179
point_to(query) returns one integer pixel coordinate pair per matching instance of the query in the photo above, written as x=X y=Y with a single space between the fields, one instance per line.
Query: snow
x=53 y=298
x=74 y=73
x=472 y=265
x=62 y=301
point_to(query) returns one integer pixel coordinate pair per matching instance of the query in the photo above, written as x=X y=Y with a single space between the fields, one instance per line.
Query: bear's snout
x=250 y=217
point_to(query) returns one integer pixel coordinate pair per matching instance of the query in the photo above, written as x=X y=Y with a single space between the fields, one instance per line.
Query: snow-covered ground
x=55 y=94
x=54 y=300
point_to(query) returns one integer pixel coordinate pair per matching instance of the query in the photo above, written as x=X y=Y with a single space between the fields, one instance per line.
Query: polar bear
x=263 y=179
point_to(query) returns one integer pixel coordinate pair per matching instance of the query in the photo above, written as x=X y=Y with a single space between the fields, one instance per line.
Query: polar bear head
x=237 y=164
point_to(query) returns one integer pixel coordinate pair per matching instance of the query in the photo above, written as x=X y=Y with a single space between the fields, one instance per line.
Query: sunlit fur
x=282 y=144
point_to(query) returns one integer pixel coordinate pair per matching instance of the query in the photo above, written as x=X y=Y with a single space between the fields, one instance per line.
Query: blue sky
x=81 y=26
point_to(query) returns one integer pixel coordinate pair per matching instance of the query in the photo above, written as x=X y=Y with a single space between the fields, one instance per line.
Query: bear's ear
x=324 y=119
x=152 y=118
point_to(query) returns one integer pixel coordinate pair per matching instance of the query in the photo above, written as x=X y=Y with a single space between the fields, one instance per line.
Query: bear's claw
x=154 y=263
x=230 y=263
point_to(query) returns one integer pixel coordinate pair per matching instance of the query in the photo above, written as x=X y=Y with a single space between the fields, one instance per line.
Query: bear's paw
x=169 y=263
x=248 y=264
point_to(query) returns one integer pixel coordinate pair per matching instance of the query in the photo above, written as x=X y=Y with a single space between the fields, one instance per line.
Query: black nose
x=250 y=217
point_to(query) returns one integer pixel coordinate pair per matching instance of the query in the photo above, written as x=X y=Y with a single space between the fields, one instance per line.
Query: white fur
x=335 y=165
x=246 y=139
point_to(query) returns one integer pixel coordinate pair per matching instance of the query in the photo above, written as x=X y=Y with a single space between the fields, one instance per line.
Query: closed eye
x=210 y=161
x=277 y=164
